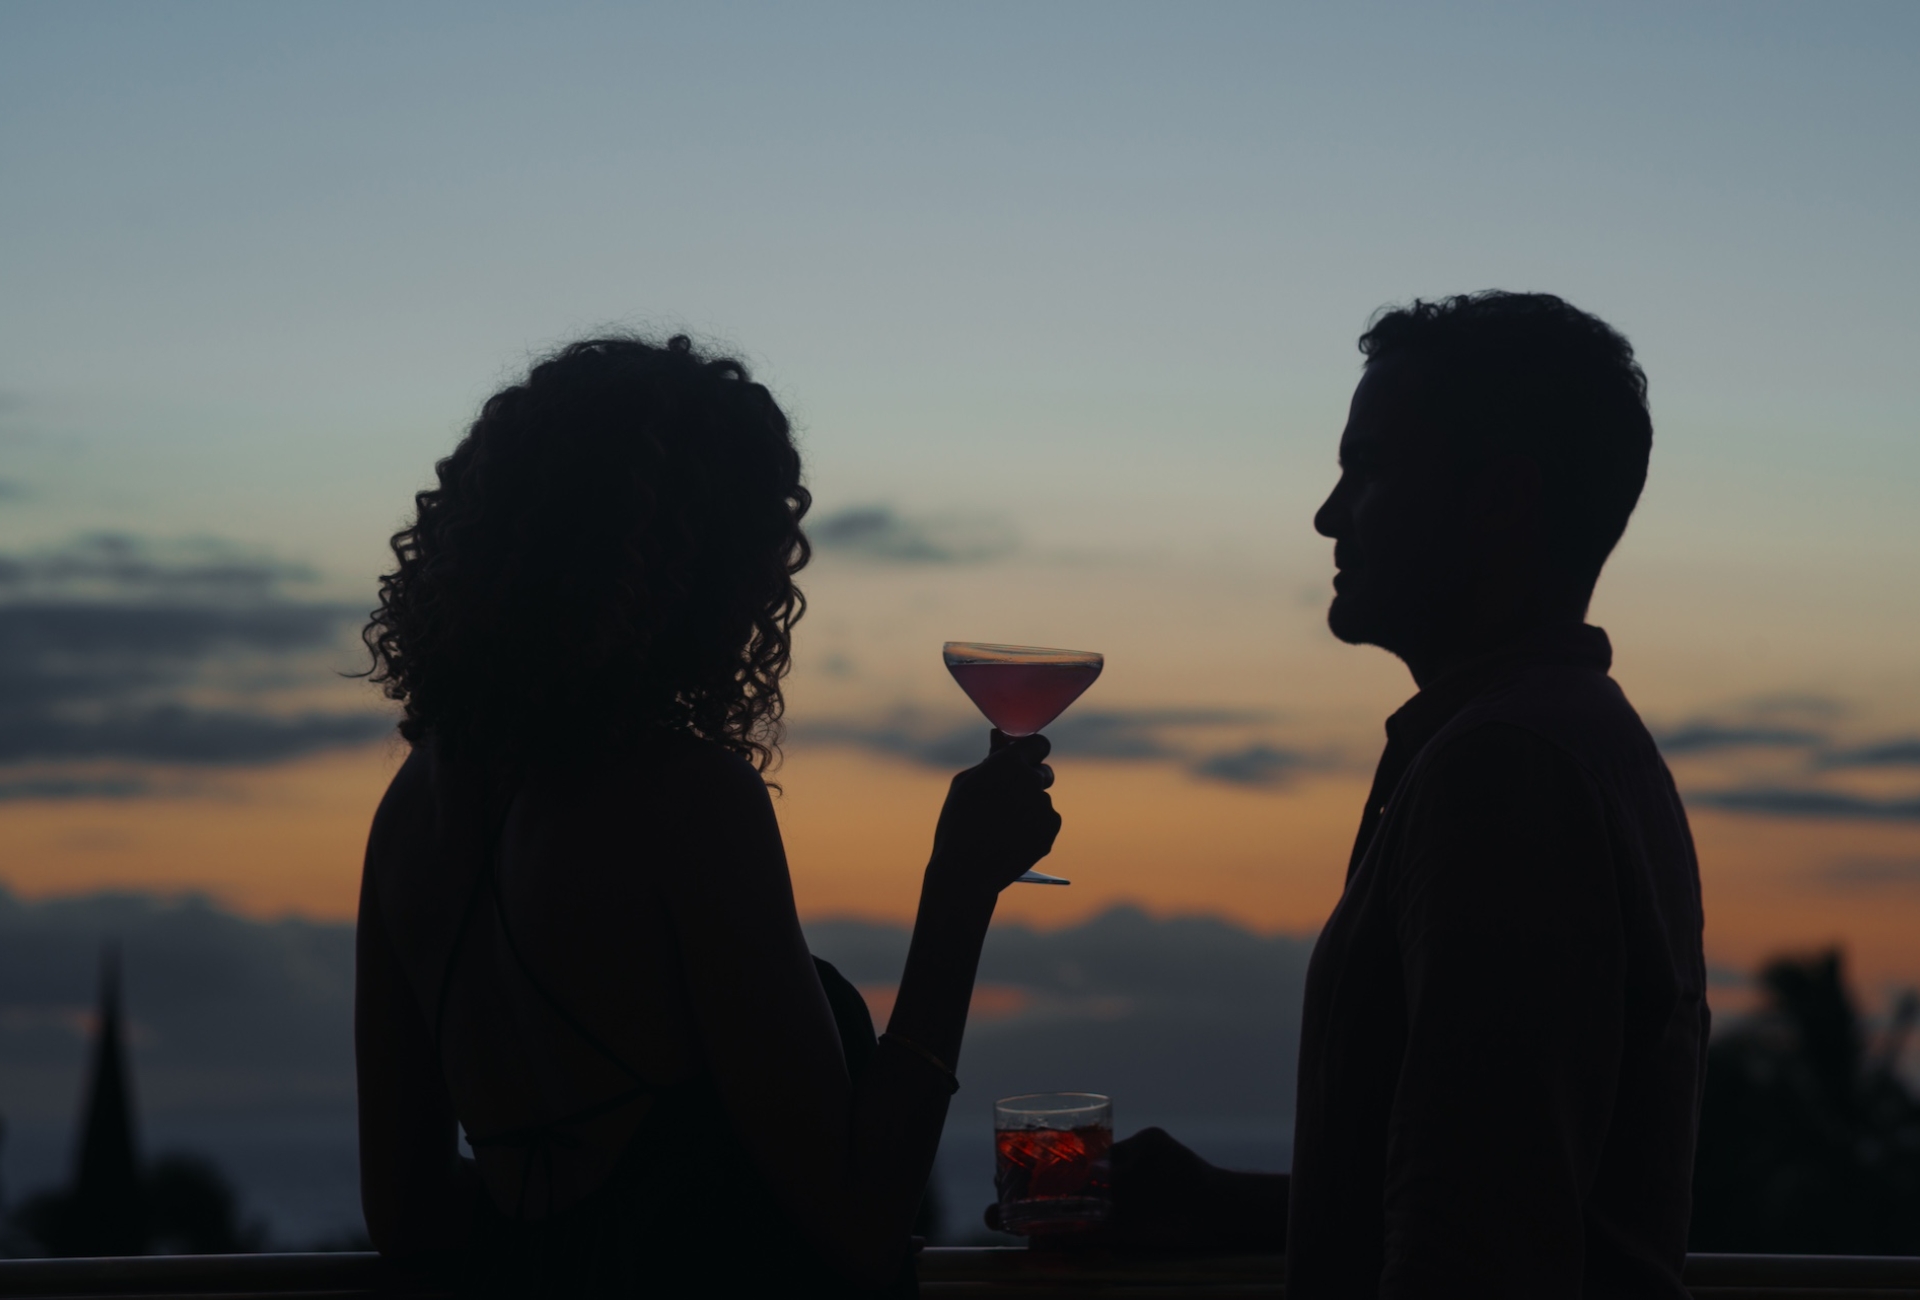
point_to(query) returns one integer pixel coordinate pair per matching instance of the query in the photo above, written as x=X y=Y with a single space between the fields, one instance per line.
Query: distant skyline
x=1063 y=301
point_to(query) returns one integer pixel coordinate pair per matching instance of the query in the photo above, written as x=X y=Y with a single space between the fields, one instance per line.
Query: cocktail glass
x=1021 y=688
x=1051 y=1165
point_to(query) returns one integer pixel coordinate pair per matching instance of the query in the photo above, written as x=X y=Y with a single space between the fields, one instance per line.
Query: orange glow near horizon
x=288 y=840
x=277 y=841
x=858 y=831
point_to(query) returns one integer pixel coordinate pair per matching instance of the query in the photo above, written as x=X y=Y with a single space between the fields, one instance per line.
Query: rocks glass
x=1051 y=1161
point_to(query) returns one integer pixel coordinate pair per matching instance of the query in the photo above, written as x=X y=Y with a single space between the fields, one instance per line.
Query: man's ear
x=1508 y=495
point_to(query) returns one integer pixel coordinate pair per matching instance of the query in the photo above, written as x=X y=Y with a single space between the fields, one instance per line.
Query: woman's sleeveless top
x=684 y=1213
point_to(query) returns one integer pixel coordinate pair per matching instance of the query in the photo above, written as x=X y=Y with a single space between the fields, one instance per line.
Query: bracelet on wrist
x=945 y=1071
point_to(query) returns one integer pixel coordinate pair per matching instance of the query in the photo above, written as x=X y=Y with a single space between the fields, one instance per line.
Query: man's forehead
x=1389 y=410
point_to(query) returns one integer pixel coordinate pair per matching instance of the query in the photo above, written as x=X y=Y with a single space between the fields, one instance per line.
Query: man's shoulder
x=1579 y=712
x=1491 y=762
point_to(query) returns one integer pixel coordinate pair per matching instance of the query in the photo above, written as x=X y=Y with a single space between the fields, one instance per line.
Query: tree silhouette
x=1809 y=1138
x=185 y=1207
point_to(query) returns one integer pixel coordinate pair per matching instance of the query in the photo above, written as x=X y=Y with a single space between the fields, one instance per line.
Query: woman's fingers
x=998 y=813
x=1027 y=751
x=1034 y=749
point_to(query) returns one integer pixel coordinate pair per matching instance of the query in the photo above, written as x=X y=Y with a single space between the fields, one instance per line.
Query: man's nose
x=1330 y=520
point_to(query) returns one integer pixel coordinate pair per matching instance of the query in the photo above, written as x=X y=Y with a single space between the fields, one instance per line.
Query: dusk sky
x=1063 y=299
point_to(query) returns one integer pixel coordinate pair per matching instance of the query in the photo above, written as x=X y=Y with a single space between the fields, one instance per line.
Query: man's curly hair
x=1530 y=374
x=610 y=553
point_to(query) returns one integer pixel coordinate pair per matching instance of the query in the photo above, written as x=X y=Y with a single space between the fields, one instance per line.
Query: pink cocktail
x=1021 y=688
x=1022 y=698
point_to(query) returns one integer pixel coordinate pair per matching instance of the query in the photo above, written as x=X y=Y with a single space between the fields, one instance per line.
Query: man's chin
x=1348 y=619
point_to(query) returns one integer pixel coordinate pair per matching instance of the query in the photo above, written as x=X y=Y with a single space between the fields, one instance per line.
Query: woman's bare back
x=583 y=921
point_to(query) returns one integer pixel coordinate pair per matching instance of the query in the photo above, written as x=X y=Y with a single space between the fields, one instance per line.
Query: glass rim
x=992 y=652
x=1052 y=1103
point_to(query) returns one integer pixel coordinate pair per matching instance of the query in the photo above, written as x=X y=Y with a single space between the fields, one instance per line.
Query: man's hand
x=1166 y=1198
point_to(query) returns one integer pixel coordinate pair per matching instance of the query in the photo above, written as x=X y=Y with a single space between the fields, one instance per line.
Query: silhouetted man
x=1505 y=1021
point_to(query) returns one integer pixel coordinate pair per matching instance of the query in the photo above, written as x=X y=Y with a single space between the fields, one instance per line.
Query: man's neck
x=1433 y=660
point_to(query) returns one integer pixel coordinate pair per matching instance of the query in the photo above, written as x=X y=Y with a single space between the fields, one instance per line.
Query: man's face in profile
x=1394 y=516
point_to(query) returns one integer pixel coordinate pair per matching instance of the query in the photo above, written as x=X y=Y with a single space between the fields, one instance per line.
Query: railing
x=997 y=1272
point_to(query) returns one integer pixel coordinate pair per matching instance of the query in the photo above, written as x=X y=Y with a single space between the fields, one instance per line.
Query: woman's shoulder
x=669 y=778
x=669 y=781
x=677 y=798
x=681 y=765
x=407 y=800
x=697 y=758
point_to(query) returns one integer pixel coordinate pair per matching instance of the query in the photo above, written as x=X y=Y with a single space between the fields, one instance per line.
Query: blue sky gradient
x=1063 y=299
x=261 y=261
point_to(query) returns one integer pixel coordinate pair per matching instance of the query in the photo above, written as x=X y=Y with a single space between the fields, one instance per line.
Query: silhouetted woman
x=577 y=934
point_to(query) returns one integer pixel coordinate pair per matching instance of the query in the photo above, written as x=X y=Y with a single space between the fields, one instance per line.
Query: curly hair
x=610 y=552
x=1530 y=374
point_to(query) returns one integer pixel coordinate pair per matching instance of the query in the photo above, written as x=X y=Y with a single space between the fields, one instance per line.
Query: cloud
x=116 y=567
x=1802 y=734
x=1189 y=1015
x=905 y=736
x=879 y=533
x=1803 y=802
x=1873 y=873
x=1706 y=737
x=1139 y=733
x=112 y=649
x=243 y=1032
x=1903 y=752
x=175 y=734
x=1787 y=723
x=58 y=787
x=1777 y=722
x=264 y=1007
x=1261 y=765
x=1117 y=735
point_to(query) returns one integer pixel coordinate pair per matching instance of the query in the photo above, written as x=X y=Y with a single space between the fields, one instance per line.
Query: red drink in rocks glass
x=1051 y=1161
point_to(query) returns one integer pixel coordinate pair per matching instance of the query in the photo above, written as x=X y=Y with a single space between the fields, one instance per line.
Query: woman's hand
x=998 y=819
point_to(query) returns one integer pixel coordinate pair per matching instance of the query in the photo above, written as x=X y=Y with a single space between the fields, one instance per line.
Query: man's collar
x=1573 y=644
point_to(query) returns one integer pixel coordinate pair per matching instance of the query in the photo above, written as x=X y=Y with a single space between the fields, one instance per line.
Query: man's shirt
x=1505 y=1026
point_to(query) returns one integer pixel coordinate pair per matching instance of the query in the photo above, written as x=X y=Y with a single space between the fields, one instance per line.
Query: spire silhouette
x=109 y=1200
x=117 y=1205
